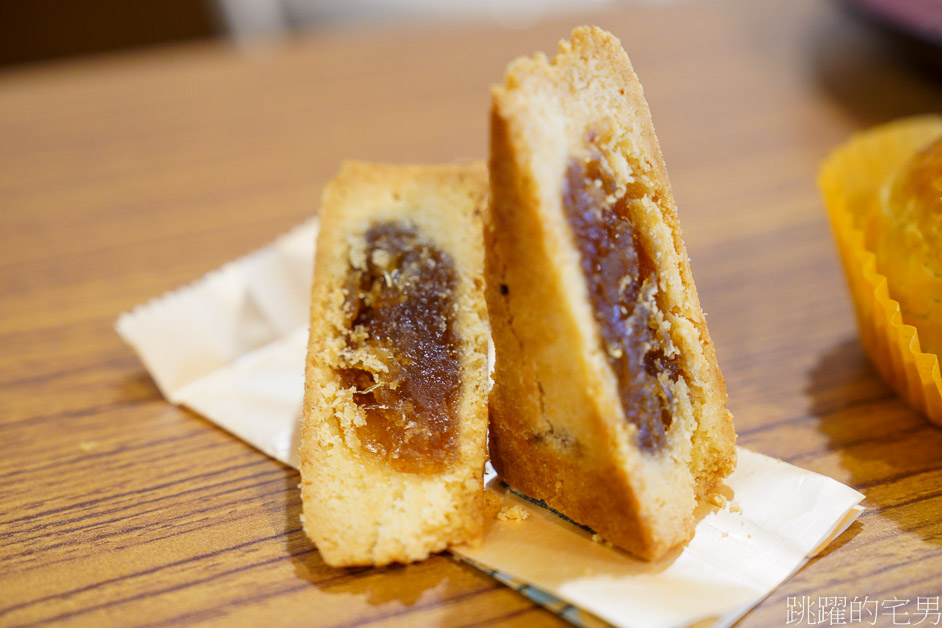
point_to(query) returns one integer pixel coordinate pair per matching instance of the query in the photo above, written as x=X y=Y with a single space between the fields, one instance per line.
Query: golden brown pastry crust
x=357 y=509
x=906 y=237
x=558 y=431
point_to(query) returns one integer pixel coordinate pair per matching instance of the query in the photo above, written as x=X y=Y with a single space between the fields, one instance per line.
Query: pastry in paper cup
x=883 y=192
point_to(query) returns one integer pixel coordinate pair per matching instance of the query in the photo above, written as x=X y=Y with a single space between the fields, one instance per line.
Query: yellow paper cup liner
x=850 y=181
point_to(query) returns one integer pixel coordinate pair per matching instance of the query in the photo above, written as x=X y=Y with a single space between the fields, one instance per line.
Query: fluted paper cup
x=851 y=180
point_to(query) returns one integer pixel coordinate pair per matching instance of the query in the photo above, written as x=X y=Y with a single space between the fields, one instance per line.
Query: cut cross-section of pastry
x=394 y=430
x=608 y=403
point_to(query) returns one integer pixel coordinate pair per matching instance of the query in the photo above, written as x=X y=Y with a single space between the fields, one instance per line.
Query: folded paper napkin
x=231 y=346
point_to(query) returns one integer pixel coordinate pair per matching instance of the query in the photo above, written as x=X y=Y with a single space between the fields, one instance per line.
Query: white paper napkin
x=231 y=346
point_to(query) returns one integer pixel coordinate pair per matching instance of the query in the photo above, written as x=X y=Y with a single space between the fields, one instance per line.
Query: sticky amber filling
x=621 y=278
x=404 y=363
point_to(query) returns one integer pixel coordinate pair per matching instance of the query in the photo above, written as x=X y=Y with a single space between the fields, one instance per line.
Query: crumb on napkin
x=513 y=513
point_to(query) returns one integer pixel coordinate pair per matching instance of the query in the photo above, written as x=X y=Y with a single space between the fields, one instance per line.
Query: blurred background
x=39 y=30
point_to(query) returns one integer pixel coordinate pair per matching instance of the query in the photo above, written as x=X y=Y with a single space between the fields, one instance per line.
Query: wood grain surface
x=123 y=177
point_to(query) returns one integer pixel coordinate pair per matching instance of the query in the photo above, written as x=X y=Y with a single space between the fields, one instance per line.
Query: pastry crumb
x=735 y=507
x=717 y=499
x=598 y=538
x=513 y=513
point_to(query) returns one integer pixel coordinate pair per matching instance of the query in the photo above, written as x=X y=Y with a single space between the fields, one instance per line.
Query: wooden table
x=122 y=177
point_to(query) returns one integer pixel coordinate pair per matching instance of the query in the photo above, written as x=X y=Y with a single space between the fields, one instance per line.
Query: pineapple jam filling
x=402 y=350
x=621 y=281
